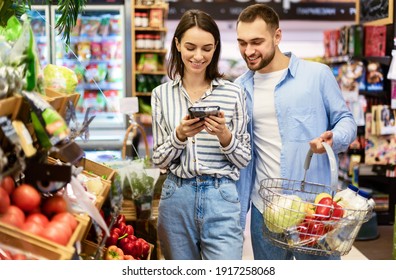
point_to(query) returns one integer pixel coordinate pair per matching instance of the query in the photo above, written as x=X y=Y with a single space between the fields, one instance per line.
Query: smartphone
x=202 y=112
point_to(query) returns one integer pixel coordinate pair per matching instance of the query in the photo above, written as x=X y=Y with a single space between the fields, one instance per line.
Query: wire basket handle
x=142 y=132
x=333 y=165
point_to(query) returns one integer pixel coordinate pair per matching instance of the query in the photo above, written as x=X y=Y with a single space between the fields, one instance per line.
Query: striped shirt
x=201 y=154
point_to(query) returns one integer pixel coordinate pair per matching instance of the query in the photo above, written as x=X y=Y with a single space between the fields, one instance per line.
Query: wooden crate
x=101 y=196
x=59 y=100
x=39 y=246
x=86 y=222
x=99 y=169
x=10 y=106
x=128 y=209
x=89 y=249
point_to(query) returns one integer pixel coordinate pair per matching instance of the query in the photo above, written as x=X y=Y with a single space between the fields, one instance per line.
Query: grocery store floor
x=377 y=249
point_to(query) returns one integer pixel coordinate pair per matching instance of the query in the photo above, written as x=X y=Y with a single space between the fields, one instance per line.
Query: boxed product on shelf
x=375 y=40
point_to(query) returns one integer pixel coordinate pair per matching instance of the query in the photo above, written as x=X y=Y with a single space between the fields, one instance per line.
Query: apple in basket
x=283 y=212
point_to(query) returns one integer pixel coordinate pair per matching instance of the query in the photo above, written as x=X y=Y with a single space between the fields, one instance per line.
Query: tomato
x=65 y=227
x=32 y=227
x=54 y=205
x=13 y=216
x=67 y=218
x=19 y=256
x=8 y=184
x=55 y=234
x=4 y=201
x=128 y=257
x=37 y=218
x=26 y=197
x=5 y=255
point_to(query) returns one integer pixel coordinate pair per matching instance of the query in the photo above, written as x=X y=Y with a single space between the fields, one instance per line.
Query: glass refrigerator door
x=97 y=55
x=39 y=15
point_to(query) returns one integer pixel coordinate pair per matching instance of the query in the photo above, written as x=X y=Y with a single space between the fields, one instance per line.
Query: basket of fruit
x=313 y=218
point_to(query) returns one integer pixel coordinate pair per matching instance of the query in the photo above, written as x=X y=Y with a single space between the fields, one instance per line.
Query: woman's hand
x=188 y=128
x=216 y=125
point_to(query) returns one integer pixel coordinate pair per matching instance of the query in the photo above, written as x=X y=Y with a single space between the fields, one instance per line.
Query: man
x=297 y=106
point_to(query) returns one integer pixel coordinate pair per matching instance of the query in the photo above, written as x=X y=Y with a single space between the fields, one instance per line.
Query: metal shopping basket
x=294 y=221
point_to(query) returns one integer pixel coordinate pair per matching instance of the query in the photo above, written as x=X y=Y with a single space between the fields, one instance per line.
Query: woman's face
x=196 y=48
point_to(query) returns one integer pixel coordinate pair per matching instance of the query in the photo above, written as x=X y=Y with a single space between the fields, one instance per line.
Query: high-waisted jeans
x=199 y=218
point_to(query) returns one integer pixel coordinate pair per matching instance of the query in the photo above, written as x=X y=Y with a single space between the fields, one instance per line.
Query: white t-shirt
x=267 y=139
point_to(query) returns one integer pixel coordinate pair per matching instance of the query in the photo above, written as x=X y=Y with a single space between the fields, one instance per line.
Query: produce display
x=122 y=239
x=25 y=208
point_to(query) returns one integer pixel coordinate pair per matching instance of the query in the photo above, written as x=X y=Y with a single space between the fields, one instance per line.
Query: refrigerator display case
x=97 y=55
x=38 y=17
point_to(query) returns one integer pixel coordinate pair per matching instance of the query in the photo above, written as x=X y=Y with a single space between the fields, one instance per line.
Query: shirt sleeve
x=166 y=147
x=342 y=122
x=239 y=151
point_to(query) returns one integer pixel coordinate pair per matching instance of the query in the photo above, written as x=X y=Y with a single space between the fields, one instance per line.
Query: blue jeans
x=199 y=219
x=263 y=249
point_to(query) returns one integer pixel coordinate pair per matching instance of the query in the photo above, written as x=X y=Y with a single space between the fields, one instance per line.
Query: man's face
x=257 y=44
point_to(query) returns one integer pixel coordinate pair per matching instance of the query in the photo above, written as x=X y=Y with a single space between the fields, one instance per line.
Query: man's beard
x=262 y=64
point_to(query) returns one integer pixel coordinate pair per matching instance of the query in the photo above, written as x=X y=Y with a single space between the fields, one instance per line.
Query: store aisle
x=354 y=254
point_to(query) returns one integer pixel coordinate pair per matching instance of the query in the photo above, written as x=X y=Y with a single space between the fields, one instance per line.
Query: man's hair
x=266 y=13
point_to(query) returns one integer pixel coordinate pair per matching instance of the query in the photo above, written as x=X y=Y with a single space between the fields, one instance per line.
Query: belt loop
x=217 y=183
x=179 y=181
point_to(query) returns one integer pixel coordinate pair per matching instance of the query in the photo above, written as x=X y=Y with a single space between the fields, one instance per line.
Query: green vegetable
x=284 y=212
x=60 y=78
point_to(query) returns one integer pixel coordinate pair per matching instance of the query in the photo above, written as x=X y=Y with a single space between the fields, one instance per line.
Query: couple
x=215 y=165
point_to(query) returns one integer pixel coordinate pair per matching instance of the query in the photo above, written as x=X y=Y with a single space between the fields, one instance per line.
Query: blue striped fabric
x=203 y=153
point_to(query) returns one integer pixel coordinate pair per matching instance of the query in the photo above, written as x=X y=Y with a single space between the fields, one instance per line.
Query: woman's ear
x=177 y=44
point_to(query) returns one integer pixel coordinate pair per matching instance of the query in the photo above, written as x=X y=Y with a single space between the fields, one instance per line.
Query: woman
x=199 y=210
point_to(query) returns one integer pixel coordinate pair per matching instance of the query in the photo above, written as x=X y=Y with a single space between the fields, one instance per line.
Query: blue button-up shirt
x=308 y=102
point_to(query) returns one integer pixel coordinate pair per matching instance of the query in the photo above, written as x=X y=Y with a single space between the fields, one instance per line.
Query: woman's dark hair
x=204 y=21
x=262 y=11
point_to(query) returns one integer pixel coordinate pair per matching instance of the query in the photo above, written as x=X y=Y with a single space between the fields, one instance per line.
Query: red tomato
x=65 y=227
x=5 y=255
x=54 y=205
x=55 y=234
x=19 y=257
x=67 y=218
x=4 y=201
x=13 y=216
x=26 y=197
x=37 y=218
x=8 y=184
x=32 y=227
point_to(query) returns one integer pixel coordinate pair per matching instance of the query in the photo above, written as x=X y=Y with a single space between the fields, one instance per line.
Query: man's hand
x=316 y=144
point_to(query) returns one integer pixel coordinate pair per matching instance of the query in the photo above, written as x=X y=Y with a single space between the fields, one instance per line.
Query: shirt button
x=193 y=141
x=194 y=160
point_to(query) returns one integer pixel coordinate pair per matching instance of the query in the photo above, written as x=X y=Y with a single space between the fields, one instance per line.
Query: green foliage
x=69 y=10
